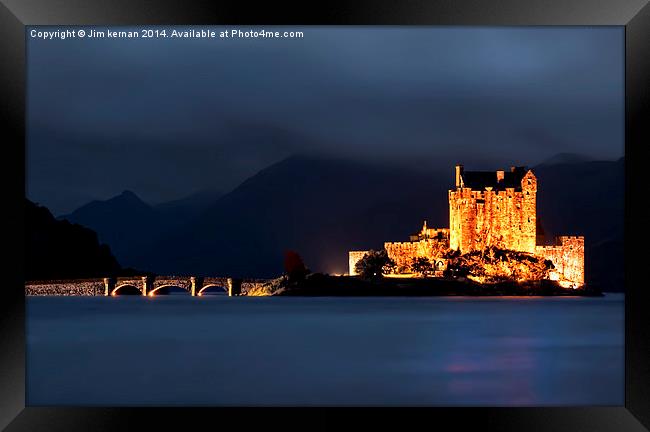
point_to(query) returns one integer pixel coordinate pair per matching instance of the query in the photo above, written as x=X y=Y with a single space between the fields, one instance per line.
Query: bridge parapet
x=145 y=285
x=249 y=284
x=79 y=287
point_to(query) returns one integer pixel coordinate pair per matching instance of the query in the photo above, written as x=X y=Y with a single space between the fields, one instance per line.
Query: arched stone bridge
x=195 y=285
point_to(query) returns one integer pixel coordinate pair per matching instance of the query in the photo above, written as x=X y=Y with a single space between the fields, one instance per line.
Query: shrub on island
x=494 y=265
x=375 y=264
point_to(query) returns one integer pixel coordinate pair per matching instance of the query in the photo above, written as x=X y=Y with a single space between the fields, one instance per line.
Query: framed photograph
x=383 y=206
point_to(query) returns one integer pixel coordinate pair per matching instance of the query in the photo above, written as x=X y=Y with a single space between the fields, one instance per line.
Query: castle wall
x=568 y=257
x=353 y=258
x=503 y=214
x=402 y=253
x=505 y=219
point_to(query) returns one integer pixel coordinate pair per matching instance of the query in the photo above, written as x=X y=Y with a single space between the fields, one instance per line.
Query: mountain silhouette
x=180 y=210
x=128 y=224
x=323 y=207
x=319 y=207
x=565 y=158
x=587 y=198
x=125 y=222
x=61 y=250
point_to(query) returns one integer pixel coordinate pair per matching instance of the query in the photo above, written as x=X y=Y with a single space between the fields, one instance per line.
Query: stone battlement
x=579 y=238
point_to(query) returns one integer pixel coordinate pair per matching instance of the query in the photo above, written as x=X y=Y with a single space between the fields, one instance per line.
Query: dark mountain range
x=566 y=158
x=582 y=199
x=324 y=207
x=61 y=250
x=125 y=222
x=587 y=199
x=318 y=207
x=128 y=224
x=188 y=207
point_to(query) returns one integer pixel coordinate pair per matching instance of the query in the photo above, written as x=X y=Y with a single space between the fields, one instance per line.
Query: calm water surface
x=179 y=350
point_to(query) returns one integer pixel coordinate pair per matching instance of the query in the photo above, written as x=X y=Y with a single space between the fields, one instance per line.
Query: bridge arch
x=126 y=289
x=212 y=286
x=195 y=285
x=154 y=291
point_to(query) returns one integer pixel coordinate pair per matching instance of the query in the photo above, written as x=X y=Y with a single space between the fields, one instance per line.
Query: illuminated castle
x=487 y=209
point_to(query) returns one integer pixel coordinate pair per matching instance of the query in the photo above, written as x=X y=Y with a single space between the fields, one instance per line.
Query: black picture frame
x=633 y=14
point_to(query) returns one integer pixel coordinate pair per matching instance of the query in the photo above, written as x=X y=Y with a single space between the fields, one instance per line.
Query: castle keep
x=493 y=209
x=489 y=209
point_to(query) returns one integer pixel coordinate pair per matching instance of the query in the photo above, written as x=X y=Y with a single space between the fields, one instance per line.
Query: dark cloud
x=169 y=117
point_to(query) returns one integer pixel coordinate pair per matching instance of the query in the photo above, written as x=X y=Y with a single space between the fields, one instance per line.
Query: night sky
x=166 y=118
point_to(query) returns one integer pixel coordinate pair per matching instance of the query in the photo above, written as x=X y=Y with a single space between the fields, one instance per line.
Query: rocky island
x=318 y=284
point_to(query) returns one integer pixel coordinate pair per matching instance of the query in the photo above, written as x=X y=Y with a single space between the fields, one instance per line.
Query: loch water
x=217 y=350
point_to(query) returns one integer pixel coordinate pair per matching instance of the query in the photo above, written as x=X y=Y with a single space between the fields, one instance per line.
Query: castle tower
x=493 y=209
x=528 y=236
x=459 y=173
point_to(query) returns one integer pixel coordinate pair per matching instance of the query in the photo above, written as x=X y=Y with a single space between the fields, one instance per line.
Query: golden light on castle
x=490 y=211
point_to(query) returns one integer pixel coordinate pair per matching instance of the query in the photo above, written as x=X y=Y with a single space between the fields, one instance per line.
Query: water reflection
x=325 y=351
